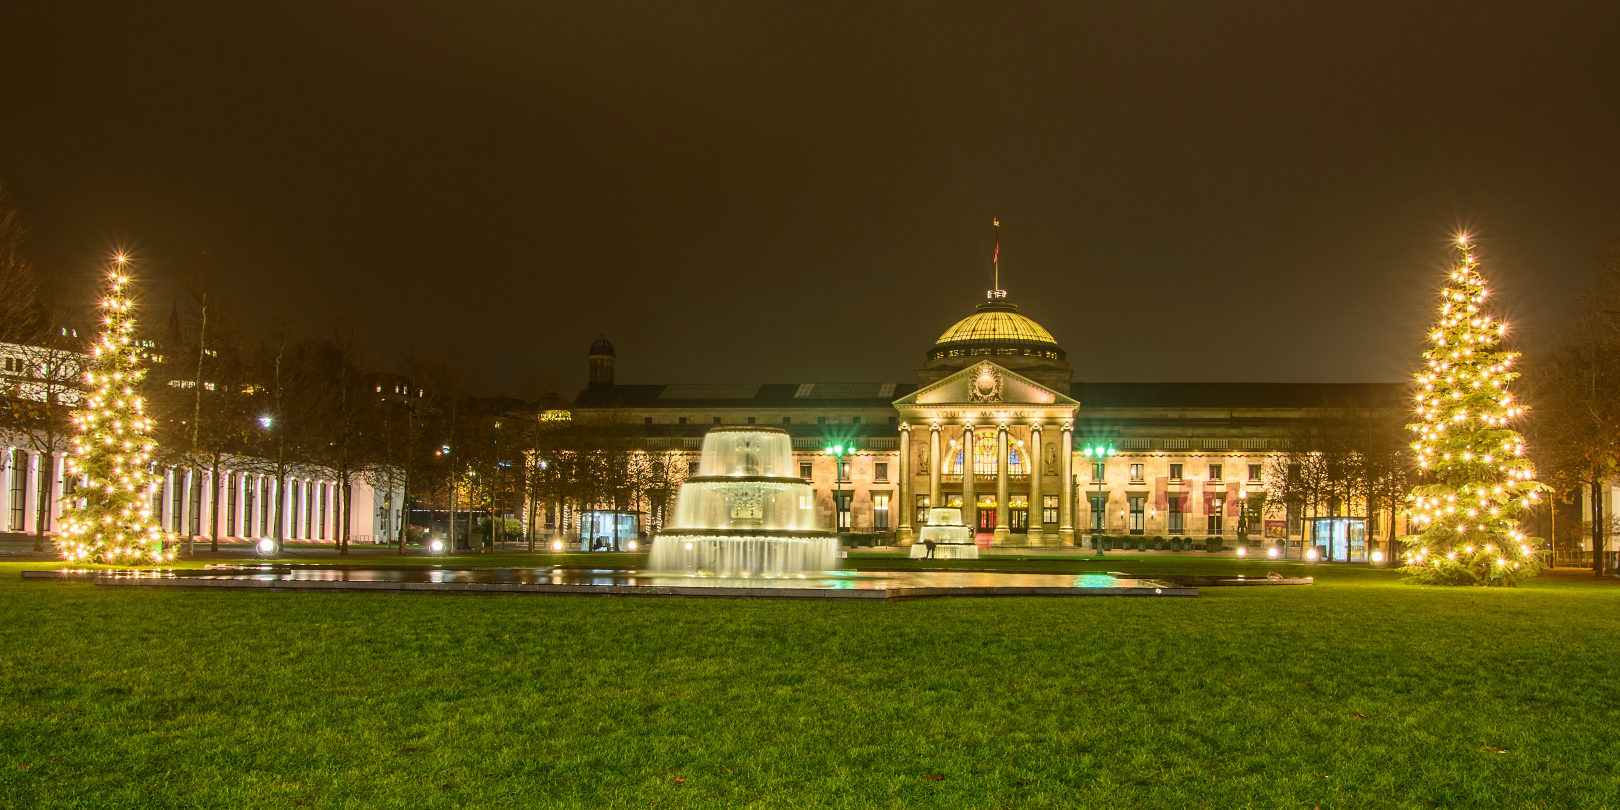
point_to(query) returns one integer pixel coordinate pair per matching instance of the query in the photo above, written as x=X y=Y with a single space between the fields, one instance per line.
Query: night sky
x=744 y=193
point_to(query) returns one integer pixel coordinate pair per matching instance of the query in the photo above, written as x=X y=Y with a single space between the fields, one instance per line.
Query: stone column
x=970 y=487
x=1003 y=535
x=933 y=466
x=1066 y=502
x=902 y=534
x=1037 y=509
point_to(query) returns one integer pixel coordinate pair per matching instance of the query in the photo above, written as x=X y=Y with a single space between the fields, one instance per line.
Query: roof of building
x=750 y=395
x=1090 y=394
x=997 y=322
x=1239 y=395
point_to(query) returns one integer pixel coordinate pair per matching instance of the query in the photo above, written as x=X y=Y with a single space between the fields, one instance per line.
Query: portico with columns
x=1000 y=447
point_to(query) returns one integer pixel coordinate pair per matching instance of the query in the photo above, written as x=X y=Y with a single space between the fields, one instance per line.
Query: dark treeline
x=1574 y=392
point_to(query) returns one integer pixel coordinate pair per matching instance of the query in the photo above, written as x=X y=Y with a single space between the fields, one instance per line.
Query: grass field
x=1359 y=691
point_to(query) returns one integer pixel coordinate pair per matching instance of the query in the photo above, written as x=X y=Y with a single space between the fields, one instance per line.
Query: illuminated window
x=1175 y=472
x=922 y=510
x=880 y=512
x=1049 y=508
x=1138 y=506
x=1175 y=517
x=1136 y=473
x=1214 y=472
x=1254 y=472
x=984 y=458
x=805 y=470
x=1099 y=511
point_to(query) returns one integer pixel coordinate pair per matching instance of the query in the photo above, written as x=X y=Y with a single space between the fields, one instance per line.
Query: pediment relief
x=986 y=384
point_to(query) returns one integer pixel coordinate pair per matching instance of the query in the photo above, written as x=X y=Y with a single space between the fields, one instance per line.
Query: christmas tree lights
x=1469 y=518
x=113 y=448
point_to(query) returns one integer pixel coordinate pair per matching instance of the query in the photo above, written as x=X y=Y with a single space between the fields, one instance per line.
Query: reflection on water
x=823 y=580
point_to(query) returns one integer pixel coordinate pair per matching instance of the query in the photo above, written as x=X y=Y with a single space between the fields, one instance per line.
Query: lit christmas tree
x=1470 y=516
x=113 y=450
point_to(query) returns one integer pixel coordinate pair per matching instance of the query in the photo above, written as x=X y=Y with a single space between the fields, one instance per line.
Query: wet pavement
x=878 y=585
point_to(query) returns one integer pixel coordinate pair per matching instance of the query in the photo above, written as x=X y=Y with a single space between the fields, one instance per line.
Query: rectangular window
x=821 y=420
x=1097 y=470
x=1138 y=509
x=1254 y=472
x=1216 y=505
x=1049 y=508
x=19 y=486
x=843 y=500
x=880 y=471
x=717 y=420
x=787 y=420
x=1175 y=472
x=880 y=512
x=1175 y=517
x=196 y=501
x=1214 y=472
x=177 y=504
x=922 y=510
x=750 y=420
x=646 y=420
x=247 y=503
x=805 y=469
x=1136 y=473
x=230 y=504
x=42 y=506
x=1099 y=512
x=843 y=471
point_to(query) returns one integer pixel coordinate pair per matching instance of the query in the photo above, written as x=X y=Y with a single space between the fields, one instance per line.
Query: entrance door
x=987 y=519
x=1018 y=520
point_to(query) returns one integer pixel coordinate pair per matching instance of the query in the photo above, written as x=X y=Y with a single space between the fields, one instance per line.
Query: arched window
x=984 y=458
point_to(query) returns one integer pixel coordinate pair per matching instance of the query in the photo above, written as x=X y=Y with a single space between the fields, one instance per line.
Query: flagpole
x=995 y=258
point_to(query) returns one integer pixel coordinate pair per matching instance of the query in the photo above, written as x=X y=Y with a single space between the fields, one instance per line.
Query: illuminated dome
x=996 y=329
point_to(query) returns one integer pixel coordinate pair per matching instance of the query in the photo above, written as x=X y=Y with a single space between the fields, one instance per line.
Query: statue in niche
x=922 y=460
x=1050 y=454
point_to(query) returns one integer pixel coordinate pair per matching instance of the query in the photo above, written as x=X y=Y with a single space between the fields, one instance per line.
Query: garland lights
x=113 y=451
x=1469 y=518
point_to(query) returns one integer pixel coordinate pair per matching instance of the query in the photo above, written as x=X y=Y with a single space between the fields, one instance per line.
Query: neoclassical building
x=996 y=423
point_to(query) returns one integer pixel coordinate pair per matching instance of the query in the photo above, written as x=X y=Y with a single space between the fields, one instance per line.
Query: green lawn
x=1358 y=691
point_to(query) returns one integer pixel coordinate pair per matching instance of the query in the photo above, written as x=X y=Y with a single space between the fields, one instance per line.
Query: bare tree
x=21 y=317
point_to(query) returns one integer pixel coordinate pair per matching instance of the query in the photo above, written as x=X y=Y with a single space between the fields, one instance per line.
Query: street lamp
x=1099 y=453
x=838 y=451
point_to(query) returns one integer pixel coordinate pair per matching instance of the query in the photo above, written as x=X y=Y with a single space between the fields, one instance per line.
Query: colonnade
x=906 y=530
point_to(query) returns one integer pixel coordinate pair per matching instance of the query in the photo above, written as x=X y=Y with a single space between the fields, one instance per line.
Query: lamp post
x=1098 y=453
x=838 y=451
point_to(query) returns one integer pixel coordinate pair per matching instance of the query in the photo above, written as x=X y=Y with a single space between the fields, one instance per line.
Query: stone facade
x=997 y=382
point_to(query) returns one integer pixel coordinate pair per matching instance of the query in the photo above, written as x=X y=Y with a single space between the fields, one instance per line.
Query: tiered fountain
x=745 y=513
x=951 y=539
